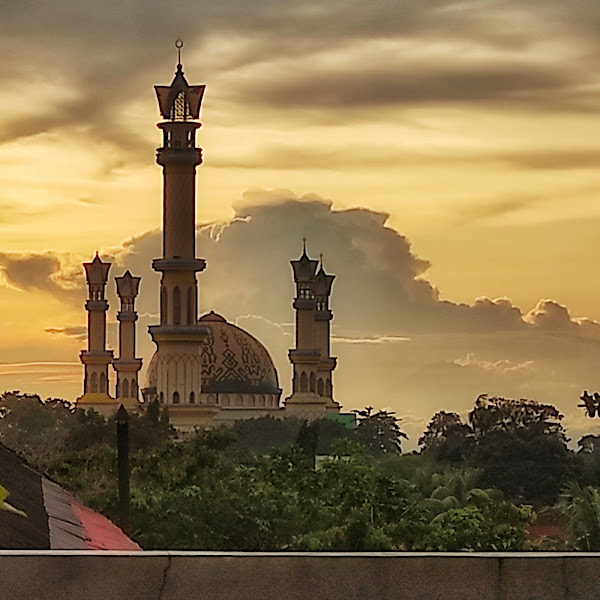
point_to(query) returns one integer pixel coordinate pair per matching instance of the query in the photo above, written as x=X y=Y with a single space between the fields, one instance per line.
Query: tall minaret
x=127 y=366
x=323 y=315
x=305 y=357
x=176 y=366
x=96 y=358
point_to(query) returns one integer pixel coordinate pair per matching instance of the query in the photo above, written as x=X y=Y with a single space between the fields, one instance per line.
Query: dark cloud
x=581 y=158
x=398 y=83
x=334 y=57
x=44 y=272
x=78 y=332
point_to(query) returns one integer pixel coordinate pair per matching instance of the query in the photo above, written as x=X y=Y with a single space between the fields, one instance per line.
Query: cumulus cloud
x=552 y=316
x=395 y=338
x=381 y=291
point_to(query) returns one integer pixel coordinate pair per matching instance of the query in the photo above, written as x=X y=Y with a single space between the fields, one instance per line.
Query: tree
x=526 y=417
x=379 y=431
x=521 y=447
x=307 y=440
x=446 y=437
x=590 y=403
x=582 y=508
x=265 y=433
x=589 y=444
x=483 y=524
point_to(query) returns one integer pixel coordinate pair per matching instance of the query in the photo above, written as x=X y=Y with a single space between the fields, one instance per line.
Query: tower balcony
x=304 y=303
x=323 y=315
x=309 y=357
x=88 y=357
x=93 y=305
x=179 y=264
x=328 y=364
x=127 y=364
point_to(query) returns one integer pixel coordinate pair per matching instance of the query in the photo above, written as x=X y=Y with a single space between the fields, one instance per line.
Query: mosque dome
x=233 y=361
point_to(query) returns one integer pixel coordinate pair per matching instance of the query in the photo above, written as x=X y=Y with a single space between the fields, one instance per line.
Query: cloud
x=382 y=339
x=78 y=332
x=45 y=272
x=552 y=316
x=338 y=57
x=499 y=366
x=391 y=80
x=395 y=338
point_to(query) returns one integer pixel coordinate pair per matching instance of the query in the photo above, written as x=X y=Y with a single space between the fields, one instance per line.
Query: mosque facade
x=204 y=369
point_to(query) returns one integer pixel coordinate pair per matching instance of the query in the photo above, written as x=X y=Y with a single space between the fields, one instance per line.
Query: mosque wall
x=296 y=576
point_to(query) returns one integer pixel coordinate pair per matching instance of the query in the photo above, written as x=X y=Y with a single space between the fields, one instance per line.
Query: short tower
x=310 y=358
x=323 y=316
x=96 y=358
x=127 y=366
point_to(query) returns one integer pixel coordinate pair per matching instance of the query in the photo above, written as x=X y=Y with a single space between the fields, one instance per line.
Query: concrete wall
x=241 y=576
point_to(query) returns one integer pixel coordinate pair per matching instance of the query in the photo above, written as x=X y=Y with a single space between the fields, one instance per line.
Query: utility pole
x=123 y=461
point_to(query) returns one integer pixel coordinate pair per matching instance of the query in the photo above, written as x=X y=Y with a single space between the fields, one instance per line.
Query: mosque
x=204 y=369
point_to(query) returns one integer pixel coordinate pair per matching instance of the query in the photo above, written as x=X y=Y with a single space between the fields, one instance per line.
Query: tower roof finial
x=179 y=46
x=304 y=245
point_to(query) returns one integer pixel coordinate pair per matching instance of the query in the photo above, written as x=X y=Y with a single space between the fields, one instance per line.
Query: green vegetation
x=264 y=484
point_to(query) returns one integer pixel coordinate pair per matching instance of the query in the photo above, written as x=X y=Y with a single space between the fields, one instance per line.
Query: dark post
x=123 y=458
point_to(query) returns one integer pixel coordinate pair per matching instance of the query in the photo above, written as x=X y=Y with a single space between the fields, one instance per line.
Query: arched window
x=261 y=400
x=211 y=399
x=164 y=307
x=304 y=382
x=134 y=389
x=190 y=308
x=94 y=383
x=162 y=398
x=175 y=397
x=124 y=392
x=312 y=382
x=192 y=398
x=176 y=306
x=102 y=383
x=224 y=400
x=320 y=387
x=329 y=389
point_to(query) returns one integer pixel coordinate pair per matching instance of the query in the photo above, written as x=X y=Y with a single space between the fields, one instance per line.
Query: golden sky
x=474 y=125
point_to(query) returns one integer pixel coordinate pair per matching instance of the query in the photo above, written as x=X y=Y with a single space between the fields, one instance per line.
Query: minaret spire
x=179 y=46
x=174 y=372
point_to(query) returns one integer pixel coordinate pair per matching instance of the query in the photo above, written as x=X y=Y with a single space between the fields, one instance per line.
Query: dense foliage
x=270 y=484
x=520 y=446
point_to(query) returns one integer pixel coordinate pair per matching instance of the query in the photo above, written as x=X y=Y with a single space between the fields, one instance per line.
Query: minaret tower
x=323 y=315
x=174 y=373
x=127 y=366
x=305 y=357
x=96 y=358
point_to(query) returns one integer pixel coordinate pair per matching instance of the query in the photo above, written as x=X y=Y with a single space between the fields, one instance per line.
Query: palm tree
x=583 y=510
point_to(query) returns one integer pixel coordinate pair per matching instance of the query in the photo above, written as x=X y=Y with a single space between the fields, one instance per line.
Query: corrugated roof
x=55 y=519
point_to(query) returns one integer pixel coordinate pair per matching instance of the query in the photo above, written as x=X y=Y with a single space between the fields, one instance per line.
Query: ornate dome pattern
x=233 y=361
